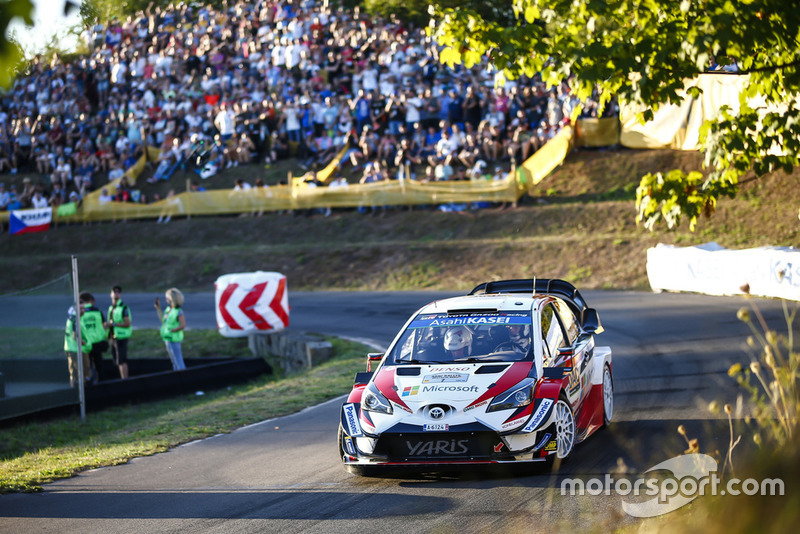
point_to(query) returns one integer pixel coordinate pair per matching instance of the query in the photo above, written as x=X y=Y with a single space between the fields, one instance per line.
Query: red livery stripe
x=513 y=374
x=385 y=384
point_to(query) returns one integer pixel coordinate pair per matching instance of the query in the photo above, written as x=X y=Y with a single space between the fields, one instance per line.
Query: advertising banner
x=715 y=270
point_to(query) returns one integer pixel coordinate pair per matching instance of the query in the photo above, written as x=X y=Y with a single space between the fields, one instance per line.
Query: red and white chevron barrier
x=251 y=303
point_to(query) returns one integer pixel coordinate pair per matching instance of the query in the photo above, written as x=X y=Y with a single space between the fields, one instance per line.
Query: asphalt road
x=671 y=355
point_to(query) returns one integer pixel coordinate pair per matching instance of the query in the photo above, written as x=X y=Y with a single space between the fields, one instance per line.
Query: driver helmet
x=519 y=331
x=457 y=339
x=520 y=335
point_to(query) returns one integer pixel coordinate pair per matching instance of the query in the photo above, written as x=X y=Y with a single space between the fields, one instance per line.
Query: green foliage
x=10 y=52
x=579 y=273
x=643 y=51
x=668 y=197
x=105 y=10
x=417 y=12
x=92 y=11
x=407 y=11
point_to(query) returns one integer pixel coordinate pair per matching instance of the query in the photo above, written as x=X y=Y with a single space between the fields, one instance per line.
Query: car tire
x=566 y=429
x=608 y=395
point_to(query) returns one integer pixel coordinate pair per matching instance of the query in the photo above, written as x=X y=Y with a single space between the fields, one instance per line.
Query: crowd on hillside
x=264 y=80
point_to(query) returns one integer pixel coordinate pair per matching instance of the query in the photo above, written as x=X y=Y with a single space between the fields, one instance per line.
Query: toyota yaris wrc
x=508 y=373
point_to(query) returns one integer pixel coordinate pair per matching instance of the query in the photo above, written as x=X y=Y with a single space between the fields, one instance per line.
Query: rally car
x=508 y=373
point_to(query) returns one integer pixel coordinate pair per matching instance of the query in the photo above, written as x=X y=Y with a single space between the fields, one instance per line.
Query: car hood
x=460 y=385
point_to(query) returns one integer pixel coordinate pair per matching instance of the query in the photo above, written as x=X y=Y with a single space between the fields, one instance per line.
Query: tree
x=416 y=11
x=12 y=54
x=92 y=11
x=10 y=51
x=644 y=51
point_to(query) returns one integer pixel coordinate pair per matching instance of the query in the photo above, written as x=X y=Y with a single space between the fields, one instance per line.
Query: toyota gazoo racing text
x=508 y=373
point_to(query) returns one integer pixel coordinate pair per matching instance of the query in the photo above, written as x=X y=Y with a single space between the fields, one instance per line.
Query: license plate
x=436 y=427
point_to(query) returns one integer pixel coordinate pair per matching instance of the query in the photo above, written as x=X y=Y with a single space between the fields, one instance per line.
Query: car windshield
x=469 y=337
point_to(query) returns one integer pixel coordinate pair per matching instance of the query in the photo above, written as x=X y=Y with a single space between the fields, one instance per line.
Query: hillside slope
x=580 y=227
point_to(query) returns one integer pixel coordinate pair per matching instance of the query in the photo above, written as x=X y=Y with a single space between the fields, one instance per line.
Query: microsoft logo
x=411 y=390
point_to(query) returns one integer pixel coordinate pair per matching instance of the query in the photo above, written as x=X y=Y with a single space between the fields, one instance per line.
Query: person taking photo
x=173 y=323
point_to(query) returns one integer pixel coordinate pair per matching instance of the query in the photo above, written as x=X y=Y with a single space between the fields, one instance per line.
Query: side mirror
x=373 y=357
x=591 y=322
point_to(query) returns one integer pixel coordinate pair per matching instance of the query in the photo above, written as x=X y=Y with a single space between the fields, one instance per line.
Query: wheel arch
x=602 y=357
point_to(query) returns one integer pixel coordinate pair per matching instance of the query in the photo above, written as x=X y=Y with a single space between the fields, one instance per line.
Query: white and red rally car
x=508 y=373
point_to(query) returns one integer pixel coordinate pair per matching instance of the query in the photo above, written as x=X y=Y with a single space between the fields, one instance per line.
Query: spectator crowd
x=261 y=81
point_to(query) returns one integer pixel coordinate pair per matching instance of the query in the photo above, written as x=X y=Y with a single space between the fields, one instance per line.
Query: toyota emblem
x=436 y=413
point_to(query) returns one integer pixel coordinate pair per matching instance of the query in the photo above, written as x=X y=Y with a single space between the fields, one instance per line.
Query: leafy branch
x=646 y=52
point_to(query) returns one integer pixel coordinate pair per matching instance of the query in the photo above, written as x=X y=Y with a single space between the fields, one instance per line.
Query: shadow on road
x=296 y=505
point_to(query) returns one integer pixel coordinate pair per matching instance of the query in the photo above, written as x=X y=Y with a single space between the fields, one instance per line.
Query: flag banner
x=27 y=221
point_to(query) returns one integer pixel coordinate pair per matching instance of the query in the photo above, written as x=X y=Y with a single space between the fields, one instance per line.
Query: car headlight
x=516 y=397
x=373 y=401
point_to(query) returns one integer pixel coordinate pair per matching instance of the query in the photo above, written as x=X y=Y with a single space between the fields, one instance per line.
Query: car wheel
x=608 y=396
x=565 y=429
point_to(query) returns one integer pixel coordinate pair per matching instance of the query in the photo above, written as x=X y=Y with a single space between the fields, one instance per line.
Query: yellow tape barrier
x=283 y=197
x=597 y=132
x=324 y=174
x=290 y=197
x=545 y=160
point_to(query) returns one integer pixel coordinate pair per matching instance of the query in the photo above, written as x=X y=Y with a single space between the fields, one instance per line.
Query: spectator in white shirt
x=104 y=197
x=340 y=182
x=369 y=78
x=118 y=72
x=38 y=200
x=241 y=185
x=116 y=172
x=413 y=104
x=291 y=119
x=63 y=172
x=225 y=121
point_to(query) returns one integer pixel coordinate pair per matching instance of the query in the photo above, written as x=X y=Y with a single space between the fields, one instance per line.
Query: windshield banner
x=444 y=319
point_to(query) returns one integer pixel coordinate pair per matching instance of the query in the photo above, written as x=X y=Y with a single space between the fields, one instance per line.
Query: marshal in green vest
x=116 y=316
x=92 y=325
x=169 y=322
x=70 y=344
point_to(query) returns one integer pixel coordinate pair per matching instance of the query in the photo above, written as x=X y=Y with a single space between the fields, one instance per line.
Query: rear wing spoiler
x=538 y=286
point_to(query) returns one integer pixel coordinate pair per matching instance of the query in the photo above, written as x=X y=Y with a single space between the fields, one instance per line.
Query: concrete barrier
x=291 y=351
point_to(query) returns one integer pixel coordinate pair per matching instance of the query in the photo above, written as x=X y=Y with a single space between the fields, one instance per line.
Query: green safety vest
x=92 y=325
x=168 y=322
x=70 y=344
x=115 y=316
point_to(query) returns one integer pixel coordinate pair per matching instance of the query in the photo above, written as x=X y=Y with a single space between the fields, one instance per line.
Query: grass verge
x=32 y=454
x=48 y=343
